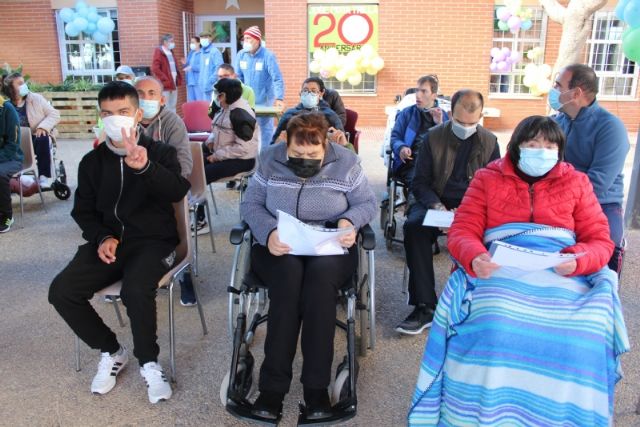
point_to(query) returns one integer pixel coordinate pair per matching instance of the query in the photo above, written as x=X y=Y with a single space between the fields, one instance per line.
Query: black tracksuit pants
x=302 y=291
x=140 y=264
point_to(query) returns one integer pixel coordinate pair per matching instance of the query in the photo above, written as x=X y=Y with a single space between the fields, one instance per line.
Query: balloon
x=495 y=52
x=93 y=17
x=341 y=75
x=619 y=10
x=502 y=26
x=530 y=69
x=82 y=11
x=544 y=86
x=371 y=71
x=105 y=25
x=545 y=70
x=325 y=74
x=502 y=66
x=318 y=54
x=367 y=51
x=493 y=67
x=100 y=38
x=332 y=53
x=67 y=15
x=503 y=14
x=377 y=63
x=528 y=80
x=80 y=23
x=314 y=66
x=91 y=28
x=355 y=79
x=93 y=9
x=632 y=14
x=80 y=4
x=71 y=30
x=514 y=23
x=526 y=25
x=515 y=57
x=631 y=45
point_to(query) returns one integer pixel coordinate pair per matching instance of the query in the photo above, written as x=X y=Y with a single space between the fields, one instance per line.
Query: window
x=81 y=58
x=368 y=84
x=617 y=75
x=510 y=82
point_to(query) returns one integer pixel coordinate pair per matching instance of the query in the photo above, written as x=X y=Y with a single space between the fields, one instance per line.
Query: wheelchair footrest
x=340 y=412
x=242 y=410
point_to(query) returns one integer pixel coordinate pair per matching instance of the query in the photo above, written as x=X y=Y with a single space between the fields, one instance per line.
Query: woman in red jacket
x=532 y=346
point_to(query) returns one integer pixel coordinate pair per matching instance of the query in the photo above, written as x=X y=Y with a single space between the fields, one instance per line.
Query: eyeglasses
x=315 y=92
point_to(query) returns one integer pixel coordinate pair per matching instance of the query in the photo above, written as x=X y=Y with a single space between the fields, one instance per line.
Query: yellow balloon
x=367 y=51
x=528 y=80
x=530 y=69
x=341 y=75
x=355 y=79
x=545 y=70
x=318 y=54
x=332 y=53
x=371 y=71
x=377 y=63
x=544 y=86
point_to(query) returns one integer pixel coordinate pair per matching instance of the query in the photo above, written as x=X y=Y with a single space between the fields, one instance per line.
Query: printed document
x=306 y=239
x=435 y=218
x=526 y=260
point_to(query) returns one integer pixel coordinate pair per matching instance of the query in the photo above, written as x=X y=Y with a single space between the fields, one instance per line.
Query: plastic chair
x=198 y=198
x=29 y=167
x=184 y=255
x=196 y=119
x=350 y=127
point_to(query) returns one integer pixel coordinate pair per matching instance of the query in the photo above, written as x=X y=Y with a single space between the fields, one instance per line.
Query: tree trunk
x=575 y=19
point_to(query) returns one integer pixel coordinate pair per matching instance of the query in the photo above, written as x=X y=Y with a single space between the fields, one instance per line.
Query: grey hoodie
x=168 y=127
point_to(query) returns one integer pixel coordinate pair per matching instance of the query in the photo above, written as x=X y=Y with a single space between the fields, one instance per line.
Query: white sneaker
x=108 y=368
x=45 y=182
x=158 y=387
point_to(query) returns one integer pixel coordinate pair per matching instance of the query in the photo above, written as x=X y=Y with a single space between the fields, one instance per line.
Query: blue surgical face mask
x=463 y=132
x=150 y=108
x=23 y=89
x=537 y=161
x=309 y=99
x=205 y=42
x=192 y=46
x=172 y=46
x=553 y=98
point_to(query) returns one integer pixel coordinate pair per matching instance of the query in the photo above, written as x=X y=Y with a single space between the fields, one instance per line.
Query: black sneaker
x=268 y=405
x=318 y=405
x=187 y=296
x=231 y=185
x=202 y=227
x=420 y=319
x=5 y=223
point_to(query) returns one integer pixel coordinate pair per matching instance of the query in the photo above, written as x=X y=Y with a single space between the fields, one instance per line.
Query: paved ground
x=40 y=387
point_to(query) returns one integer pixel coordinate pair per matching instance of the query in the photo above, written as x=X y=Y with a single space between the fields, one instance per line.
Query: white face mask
x=23 y=90
x=248 y=46
x=192 y=46
x=113 y=126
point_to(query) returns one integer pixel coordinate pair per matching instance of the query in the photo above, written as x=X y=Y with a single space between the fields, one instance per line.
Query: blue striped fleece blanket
x=539 y=350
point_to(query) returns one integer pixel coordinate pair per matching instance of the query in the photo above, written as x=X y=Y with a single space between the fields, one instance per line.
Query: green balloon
x=503 y=26
x=631 y=45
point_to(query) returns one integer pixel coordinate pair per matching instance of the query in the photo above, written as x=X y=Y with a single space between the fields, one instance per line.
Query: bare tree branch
x=555 y=10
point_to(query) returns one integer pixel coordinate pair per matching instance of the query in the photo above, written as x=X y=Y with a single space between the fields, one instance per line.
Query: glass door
x=223 y=31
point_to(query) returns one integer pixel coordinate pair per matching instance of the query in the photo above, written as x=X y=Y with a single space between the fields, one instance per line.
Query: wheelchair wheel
x=61 y=190
x=384 y=213
x=340 y=388
x=389 y=233
x=62 y=173
x=245 y=383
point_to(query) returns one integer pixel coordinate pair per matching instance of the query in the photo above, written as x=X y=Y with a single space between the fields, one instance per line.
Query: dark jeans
x=140 y=266
x=418 y=243
x=614 y=214
x=43 y=154
x=7 y=169
x=222 y=169
x=405 y=173
x=302 y=290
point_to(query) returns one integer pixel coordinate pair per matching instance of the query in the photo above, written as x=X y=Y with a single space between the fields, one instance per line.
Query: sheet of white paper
x=435 y=218
x=306 y=239
x=519 y=258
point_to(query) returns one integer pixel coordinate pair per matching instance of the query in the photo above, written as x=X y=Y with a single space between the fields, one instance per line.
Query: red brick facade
x=413 y=40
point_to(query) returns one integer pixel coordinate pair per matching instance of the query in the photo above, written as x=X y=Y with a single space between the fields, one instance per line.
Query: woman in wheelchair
x=319 y=183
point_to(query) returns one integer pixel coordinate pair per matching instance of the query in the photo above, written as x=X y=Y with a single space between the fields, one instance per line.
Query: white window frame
x=63 y=43
x=592 y=42
x=516 y=41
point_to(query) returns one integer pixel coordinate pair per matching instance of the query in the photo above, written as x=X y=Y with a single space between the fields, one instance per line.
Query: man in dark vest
x=451 y=153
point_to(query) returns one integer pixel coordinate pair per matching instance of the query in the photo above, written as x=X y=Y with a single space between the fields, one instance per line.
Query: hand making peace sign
x=136 y=155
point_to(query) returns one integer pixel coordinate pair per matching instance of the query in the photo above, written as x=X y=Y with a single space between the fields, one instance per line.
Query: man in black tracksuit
x=123 y=205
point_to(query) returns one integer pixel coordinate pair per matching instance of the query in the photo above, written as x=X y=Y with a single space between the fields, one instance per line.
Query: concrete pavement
x=40 y=387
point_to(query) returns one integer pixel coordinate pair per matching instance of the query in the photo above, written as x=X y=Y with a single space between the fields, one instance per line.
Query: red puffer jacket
x=563 y=198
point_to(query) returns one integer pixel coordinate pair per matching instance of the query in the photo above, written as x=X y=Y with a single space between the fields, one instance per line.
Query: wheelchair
x=59 y=185
x=395 y=199
x=248 y=302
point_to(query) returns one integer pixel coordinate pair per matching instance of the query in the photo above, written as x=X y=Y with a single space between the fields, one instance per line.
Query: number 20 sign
x=345 y=27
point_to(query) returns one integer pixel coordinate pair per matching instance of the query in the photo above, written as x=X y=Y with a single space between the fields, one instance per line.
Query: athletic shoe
x=231 y=185
x=108 y=369
x=45 y=182
x=420 y=319
x=158 y=388
x=202 y=227
x=5 y=223
x=112 y=298
x=187 y=295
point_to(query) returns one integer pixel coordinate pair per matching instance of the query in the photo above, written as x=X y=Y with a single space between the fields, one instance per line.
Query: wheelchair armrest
x=368 y=237
x=237 y=233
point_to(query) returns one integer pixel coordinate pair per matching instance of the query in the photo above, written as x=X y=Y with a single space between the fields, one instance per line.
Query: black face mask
x=304 y=168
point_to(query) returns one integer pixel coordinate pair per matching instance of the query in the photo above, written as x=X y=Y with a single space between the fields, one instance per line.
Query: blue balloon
x=93 y=9
x=67 y=15
x=105 y=25
x=632 y=14
x=71 y=30
x=619 y=10
x=100 y=38
x=80 y=23
x=91 y=28
x=82 y=11
x=93 y=17
x=526 y=25
x=80 y=4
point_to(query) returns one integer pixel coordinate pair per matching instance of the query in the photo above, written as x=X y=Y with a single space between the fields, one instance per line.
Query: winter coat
x=235 y=134
x=161 y=70
x=323 y=107
x=9 y=133
x=168 y=127
x=41 y=114
x=563 y=198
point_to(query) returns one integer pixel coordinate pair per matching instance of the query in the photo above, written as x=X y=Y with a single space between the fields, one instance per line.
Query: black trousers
x=140 y=265
x=418 y=246
x=43 y=154
x=7 y=169
x=224 y=168
x=302 y=291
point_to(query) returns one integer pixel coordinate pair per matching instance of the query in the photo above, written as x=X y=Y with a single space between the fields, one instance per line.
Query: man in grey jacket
x=160 y=123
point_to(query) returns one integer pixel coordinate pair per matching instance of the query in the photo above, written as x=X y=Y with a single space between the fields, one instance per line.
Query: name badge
x=243 y=65
x=259 y=66
x=206 y=62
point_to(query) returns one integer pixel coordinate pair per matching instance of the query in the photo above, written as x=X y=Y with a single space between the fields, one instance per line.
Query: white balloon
x=355 y=79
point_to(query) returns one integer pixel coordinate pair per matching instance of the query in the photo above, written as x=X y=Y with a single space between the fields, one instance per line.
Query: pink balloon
x=502 y=66
x=493 y=67
x=503 y=14
x=324 y=73
x=515 y=57
x=495 y=52
x=505 y=51
x=514 y=21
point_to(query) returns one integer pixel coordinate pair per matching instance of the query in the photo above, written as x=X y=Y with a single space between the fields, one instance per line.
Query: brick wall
x=416 y=40
x=29 y=37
